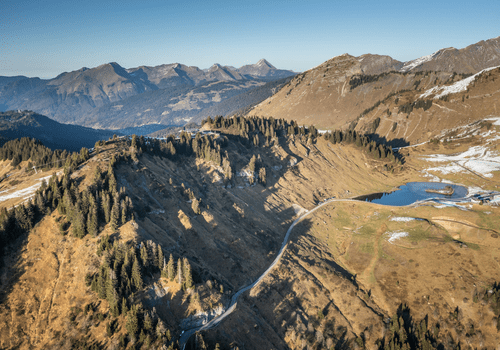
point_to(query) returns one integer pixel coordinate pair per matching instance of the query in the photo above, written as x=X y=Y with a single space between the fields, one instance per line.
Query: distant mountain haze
x=114 y=97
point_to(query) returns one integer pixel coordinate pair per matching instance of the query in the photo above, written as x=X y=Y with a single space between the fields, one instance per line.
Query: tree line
x=373 y=148
x=28 y=149
x=58 y=193
x=253 y=129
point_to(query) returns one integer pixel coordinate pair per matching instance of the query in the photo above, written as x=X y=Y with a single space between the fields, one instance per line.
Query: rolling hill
x=52 y=134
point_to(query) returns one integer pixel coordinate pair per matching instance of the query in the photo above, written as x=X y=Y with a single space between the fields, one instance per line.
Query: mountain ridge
x=76 y=97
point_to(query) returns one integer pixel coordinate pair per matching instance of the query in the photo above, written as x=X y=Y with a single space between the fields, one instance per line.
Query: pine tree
x=111 y=294
x=136 y=274
x=199 y=342
x=188 y=278
x=78 y=225
x=123 y=207
x=132 y=324
x=106 y=207
x=153 y=254
x=161 y=329
x=114 y=219
x=148 y=323
x=161 y=258
x=92 y=220
x=179 y=272
x=97 y=177
x=171 y=268
x=145 y=256
x=124 y=306
x=101 y=282
x=262 y=176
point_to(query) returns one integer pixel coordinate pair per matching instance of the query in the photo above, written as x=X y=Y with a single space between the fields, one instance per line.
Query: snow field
x=459 y=86
x=396 y=235
x=25 y=192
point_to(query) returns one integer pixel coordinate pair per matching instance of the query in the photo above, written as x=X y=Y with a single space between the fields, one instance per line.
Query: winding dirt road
x=234 y=300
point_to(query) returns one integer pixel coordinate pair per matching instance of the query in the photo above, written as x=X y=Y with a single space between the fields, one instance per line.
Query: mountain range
x=334 y=94
x=86 y=96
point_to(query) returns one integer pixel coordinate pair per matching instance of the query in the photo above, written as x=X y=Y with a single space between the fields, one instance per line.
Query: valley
x=345 y=253
x=351 y=206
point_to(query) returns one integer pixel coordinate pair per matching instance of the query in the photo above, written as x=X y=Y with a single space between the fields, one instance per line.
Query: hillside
x=470 y=59
x=337 y=92
x=52 y=134
x=221 y=203
x=420 y=115
x=170 y=106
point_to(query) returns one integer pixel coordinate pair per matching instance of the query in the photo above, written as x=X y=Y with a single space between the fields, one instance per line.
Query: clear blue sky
x=45 y=38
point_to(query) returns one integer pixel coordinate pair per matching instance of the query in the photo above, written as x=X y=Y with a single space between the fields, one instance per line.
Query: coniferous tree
x=180 y=277
x=262 y=176
x=106 y=207
x=188 y=278
x=171 y=268
x=136 y=274
x=78 y=225
x=93 y=285
x=124 y=309
x=125 y=276
x=161 y=329
x=161 y=258
x=123 y=207
x=148 y=323
x=114 y=219
x=145 y=256
x=101 y=282
x=92 y=221
x=132 y=324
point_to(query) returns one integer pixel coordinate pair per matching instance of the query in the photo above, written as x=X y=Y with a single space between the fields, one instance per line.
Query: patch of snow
x=478 y=159
x=474 y=190
x=432 y=177
x=457 y=87
x=25 y=192
x=495 y=200
x=396 y=235
x=403 y=218
x=496 y=120
x=417 y=62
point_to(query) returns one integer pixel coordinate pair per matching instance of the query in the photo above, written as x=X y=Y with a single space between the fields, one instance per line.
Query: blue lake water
x=413 y=192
